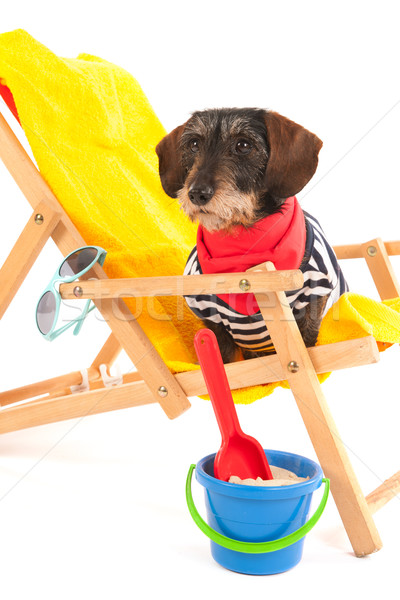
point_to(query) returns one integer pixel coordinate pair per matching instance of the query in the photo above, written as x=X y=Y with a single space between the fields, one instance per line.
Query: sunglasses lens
x=45 y=313
x=77 y=262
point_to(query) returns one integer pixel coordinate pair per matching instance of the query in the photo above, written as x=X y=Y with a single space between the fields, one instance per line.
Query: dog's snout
x=201 y=195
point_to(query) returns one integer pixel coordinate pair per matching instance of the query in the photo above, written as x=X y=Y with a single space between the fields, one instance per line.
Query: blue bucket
x=258 y=530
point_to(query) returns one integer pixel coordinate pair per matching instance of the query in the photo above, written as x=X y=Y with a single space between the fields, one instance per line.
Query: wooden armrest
x=356 y=250
x=183 y=285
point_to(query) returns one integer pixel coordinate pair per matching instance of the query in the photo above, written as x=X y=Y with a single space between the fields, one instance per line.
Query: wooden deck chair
x=52 y=400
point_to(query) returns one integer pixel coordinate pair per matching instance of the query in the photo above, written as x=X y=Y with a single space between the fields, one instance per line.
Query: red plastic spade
x=240 y=454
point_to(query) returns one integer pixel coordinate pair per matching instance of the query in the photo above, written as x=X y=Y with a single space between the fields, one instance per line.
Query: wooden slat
x=43 y=412
x=381 y=269
x=24 y=253
x=48 y=386
x=320 y=425
x=222 y=283
x=22 y=169
x=355 y=250
x=385 y=492
x=255 y=371
x=268 y=369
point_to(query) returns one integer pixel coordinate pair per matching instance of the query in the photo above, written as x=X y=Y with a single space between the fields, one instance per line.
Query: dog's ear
x=172 y=174
x=293 y=155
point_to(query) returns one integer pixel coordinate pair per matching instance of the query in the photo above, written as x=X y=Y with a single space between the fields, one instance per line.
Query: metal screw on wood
x=293 y=366
x=372 y=251
x=39 y=219
x=78 y=291
x=162 y=391
x=244 y=285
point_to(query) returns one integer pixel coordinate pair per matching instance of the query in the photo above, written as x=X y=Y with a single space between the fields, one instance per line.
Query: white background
x=95 y=508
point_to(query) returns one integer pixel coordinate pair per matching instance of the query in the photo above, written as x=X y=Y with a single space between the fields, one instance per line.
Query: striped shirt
x=322 y=277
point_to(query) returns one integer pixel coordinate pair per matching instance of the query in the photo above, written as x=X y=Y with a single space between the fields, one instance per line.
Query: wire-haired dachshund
x=236 y=172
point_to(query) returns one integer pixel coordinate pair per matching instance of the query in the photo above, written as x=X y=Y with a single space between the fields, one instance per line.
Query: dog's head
x=234 y=166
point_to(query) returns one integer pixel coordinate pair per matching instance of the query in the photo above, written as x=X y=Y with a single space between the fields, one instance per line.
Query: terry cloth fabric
x=355 y=316
x=322 y=277
x=93 y=134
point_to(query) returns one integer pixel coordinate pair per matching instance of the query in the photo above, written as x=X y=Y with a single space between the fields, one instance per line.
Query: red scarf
x=280 y=238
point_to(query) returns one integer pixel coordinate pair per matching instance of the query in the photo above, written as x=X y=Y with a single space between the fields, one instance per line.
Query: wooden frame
x=52 y=400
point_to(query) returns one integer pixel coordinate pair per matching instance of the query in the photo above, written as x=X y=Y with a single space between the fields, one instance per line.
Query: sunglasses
x=74 y=266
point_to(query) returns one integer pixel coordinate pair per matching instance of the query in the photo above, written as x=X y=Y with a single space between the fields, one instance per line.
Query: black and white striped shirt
x=322 y=277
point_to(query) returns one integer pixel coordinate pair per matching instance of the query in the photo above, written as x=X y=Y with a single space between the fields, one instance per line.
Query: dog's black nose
x=201 y=195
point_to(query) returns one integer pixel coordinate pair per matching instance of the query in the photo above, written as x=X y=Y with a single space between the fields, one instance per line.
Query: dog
x=237 y=172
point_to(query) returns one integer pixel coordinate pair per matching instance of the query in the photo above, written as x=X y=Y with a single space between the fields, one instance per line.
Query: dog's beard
x=226 y=209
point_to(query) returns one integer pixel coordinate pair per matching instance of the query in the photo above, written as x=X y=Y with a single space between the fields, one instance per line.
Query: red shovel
x=240 y=454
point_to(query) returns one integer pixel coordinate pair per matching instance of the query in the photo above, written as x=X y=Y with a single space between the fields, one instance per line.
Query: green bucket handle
x=253 y=547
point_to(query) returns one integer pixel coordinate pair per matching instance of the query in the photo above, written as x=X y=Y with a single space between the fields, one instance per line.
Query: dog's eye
x=194 y=145
x=243 y=147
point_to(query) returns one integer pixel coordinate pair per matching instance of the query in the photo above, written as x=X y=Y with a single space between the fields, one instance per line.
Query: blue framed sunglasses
x=74 y=266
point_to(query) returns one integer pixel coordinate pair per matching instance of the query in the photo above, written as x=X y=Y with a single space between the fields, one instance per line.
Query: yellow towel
x=355 y=316
x=93 y=134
